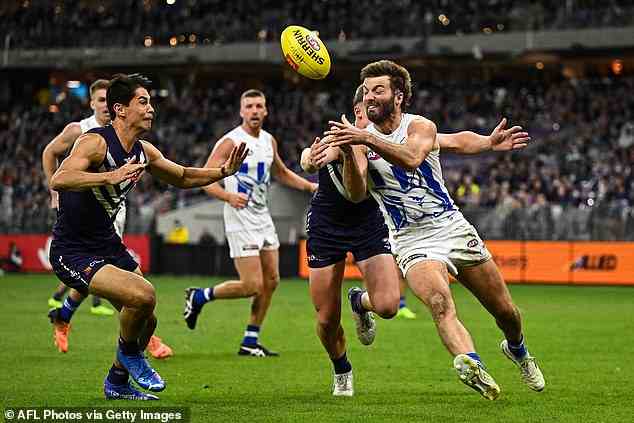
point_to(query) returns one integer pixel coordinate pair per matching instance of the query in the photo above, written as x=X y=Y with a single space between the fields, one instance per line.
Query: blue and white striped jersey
x=407 y=198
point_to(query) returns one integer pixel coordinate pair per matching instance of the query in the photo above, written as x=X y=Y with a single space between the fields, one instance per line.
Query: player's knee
x=252 y=287
x=272 y=282
x=145 y=298
x=386 y=308
x=441 y=307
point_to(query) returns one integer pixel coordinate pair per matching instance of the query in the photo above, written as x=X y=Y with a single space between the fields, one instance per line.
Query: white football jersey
x=407 y=198
x=88 y=124
x=253 y=179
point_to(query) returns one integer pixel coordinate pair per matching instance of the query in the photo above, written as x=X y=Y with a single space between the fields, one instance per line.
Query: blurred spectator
x=80 y=23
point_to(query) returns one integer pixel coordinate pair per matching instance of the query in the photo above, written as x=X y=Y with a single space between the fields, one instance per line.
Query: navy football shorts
x=329 y=244
x=76 y=270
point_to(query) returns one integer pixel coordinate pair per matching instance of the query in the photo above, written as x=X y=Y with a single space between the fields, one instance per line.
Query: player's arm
x=56 y=149
x=318 y=155
x=421 y=139
x=287 y=176
x=218 y=156
x=500 y=139
x=355 y=172
x=88 y=152
x=190 y=177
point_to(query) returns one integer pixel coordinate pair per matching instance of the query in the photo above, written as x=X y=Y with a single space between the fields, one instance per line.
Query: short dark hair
x=399 y=77
x=358 y=96
x=121 y=90
x=252 y=93
x=100 y=84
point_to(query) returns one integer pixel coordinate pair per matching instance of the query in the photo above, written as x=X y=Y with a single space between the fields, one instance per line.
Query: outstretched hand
x=236 y=157
x=344 y=134
x=503 y=139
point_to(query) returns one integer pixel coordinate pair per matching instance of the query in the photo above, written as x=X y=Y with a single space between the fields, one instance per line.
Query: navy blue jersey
x=336 y=225
x=330 y=203
x=85 y=218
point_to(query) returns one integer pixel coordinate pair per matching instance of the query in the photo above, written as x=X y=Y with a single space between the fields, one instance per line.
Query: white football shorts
x=450 y=239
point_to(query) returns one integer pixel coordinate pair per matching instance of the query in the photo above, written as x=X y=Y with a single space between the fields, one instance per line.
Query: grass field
x=583 y=338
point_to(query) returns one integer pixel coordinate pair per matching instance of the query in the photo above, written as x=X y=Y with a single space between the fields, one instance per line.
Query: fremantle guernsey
x=331 y=204
x=85 y=218
x=407 y=198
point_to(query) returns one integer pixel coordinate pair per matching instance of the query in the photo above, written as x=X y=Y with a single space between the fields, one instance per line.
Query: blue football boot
x=141 y=372
x=125 y=392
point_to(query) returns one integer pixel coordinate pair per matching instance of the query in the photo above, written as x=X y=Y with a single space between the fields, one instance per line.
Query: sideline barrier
x=34 y=250
x=545 y=262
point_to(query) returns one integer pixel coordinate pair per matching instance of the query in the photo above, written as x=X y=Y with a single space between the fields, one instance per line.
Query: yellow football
x=304 y=52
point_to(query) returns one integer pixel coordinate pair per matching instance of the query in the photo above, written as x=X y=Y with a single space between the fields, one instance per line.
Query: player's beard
x=382 y=111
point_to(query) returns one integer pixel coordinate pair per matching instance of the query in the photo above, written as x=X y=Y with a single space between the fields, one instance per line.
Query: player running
x=249 y=228
x=87 y=254
x=397 y=159
x=335 y=226
x=62 y=312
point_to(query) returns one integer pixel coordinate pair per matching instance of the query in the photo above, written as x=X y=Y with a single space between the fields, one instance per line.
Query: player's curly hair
x=121 y=90
x=399 y=77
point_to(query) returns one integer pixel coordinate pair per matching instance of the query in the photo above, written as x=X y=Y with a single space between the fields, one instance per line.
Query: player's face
x=378 y=98
x=140 y=112
x=253 y=111
x=361 y=117
x=99 y=105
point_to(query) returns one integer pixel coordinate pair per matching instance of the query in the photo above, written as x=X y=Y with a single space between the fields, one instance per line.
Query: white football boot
x=342 y=385
x=472 y=373
x=531 y=374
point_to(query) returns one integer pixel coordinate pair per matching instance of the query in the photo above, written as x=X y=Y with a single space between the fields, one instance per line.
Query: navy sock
x=68 y=309
x=117 y=376
x=341 y=364
x=96 y=301
x=356 y=303
x=129 y=348
x=401 y=303
x=518 y=350
x=475 y=356
x=251 y=335
x=59 y=295
x=202 y=296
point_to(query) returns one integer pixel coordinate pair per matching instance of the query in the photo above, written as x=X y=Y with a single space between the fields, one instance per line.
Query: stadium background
x=558 y=212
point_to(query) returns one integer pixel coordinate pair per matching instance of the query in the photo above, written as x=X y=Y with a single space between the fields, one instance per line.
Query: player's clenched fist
x=130 y=170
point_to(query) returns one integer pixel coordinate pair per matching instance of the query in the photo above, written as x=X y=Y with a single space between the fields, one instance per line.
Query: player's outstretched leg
x=325 y=292
x=137 y=299
x=363 y=319
x=487 y=284
x=429 y=281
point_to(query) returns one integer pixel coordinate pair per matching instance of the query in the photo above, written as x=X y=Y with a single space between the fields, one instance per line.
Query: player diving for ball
x=396 y=159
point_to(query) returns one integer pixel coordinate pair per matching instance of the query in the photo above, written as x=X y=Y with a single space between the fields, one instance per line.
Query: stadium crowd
x=87 y=23
x=578 y=169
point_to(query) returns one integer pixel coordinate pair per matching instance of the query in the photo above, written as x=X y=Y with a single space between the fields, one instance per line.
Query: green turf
x=581 y=335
